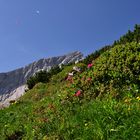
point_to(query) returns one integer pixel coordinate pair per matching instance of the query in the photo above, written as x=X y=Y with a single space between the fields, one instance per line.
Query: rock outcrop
x=12 y=84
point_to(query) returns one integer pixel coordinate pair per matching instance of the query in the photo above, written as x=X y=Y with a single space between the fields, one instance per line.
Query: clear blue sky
x=34 y=29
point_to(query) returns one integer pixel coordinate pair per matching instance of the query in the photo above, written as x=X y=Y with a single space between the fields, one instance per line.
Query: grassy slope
x=106 y=109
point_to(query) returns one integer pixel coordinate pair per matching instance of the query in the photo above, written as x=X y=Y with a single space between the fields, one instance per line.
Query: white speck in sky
x=37 y=11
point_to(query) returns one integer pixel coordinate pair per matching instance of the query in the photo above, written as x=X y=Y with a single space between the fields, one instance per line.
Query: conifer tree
x=137 y=33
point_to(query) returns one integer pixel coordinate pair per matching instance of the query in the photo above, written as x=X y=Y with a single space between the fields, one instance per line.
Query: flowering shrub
x=119 y=67
x=89 y=79
x=89 y=65
x=69 y=78
x=78 y=93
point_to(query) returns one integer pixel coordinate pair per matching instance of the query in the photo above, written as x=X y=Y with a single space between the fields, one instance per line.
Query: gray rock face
x=12 y=83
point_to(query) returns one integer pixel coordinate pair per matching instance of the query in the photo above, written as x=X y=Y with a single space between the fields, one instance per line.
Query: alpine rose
x=78 y=93
x=90 y=65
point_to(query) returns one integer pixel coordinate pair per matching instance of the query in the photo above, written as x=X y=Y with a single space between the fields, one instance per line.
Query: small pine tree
x=31 y=82
x=41 y=76
x=137 y=33
x=54 y=70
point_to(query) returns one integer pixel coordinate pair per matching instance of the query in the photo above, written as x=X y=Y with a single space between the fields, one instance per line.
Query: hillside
x=13 y=83
x=99 y=102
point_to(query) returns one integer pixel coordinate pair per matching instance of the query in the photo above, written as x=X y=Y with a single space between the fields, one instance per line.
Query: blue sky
x=34 y=29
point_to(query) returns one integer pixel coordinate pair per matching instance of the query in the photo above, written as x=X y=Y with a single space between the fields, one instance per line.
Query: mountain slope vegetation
x=101 y=101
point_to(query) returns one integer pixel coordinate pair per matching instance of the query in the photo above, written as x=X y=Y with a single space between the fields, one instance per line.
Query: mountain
x=12 y=84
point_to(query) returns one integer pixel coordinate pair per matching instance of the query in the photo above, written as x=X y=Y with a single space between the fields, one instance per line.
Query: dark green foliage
x=54 y=70
x=16 y=136
x=116 y=71
x=41 y=76
x=31 y=82
x=130 y=36
x=120 y=68
x=95 y=55
x=137 y=33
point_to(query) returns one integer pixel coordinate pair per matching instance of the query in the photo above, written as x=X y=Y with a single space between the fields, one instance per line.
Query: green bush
x=116 y=72
x=41 y=76
x=119 y=67
x=130 y=36
x=54 y=70
x=95 y=55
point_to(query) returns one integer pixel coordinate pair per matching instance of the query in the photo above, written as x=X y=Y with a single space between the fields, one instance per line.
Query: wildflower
x=90 y=65
x=71 y=74
x=138 y=98
x=86 y=124
x=89 y=79
x=113 y=130
x=70 y=79
x=78 y=69
x=128 y=100
x=78 y=93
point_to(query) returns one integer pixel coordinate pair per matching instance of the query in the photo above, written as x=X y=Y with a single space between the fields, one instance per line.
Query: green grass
x=103 y=111
x=51 y=119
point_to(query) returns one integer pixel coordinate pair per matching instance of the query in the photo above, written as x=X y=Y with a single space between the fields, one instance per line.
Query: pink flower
x=78 y=93
x=90 y=65
x=69 y=78
x=89 y=79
